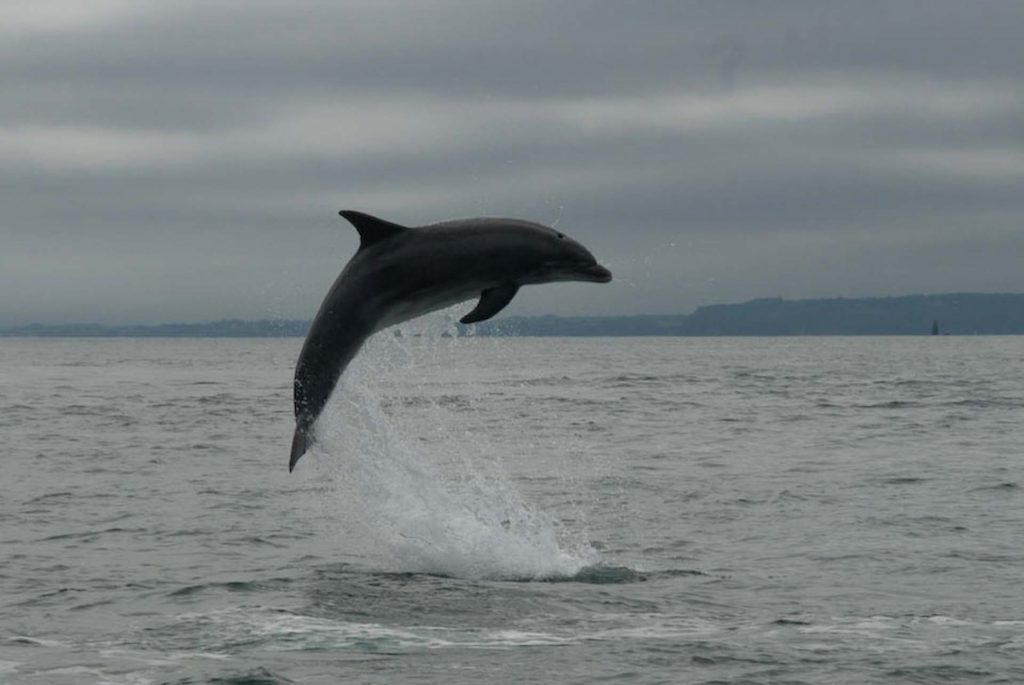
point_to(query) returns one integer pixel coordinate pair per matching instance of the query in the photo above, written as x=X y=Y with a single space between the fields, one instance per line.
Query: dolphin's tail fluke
x=300 y=443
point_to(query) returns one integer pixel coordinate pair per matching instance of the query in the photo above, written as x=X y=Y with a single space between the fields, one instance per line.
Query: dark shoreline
x=948 y=314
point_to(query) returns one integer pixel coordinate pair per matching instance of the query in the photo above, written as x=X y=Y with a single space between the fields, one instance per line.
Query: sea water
x=698 y=510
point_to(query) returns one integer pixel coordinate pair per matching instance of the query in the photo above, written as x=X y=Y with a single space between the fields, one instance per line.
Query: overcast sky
x=185 y=161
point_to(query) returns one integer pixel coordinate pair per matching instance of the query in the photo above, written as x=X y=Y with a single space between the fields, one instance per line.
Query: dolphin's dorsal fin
x=492 y=301
x=371 y=229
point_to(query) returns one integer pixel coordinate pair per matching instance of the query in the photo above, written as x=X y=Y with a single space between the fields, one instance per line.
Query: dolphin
x=402 y=272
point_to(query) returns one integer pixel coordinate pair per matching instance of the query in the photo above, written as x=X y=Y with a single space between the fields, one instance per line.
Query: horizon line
x=7 y=330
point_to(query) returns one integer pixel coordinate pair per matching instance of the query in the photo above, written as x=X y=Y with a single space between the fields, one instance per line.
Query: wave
x=410 y=509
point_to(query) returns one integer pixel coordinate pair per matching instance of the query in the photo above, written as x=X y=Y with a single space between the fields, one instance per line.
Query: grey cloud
x=529 y=48
x=186 y=160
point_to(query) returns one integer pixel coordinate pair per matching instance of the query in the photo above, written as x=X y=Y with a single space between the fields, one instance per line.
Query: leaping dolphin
x=400 y=273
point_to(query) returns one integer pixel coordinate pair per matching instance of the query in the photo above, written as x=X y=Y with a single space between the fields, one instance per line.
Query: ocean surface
x=515 y=510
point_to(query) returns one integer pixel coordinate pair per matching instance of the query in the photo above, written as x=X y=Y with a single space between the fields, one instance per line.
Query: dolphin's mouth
x=595 y=273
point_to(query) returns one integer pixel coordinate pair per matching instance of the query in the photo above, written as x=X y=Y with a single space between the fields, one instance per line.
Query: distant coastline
x=950 y=314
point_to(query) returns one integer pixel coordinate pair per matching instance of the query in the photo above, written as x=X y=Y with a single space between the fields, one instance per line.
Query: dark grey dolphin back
x=371 y=229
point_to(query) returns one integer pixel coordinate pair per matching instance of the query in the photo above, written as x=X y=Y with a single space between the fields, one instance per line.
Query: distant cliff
x=955 y=314
x=960 y=314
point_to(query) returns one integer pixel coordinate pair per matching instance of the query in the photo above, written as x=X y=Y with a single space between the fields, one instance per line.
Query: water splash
x=402 y=505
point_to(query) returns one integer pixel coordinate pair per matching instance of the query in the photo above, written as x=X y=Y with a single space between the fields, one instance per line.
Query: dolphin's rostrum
x=400 y=273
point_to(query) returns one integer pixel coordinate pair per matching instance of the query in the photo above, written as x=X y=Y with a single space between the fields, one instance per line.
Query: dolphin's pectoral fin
x=492 y=301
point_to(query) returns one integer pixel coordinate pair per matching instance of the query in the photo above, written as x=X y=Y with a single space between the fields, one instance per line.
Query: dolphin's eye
x=561 y=236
